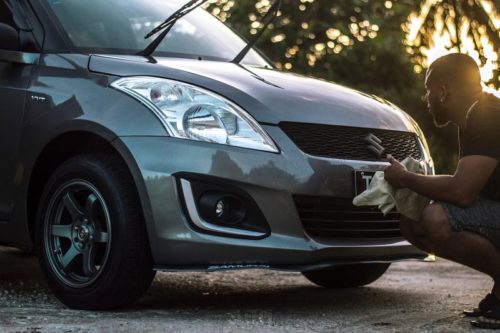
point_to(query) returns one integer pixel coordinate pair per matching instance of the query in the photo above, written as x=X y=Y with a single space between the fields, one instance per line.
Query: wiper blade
x=167 y=25
x=267 y=19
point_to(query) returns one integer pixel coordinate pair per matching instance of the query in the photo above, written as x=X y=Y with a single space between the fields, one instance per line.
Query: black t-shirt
x=481 y=136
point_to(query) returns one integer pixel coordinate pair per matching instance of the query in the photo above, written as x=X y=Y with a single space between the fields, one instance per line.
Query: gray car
x=117 y=163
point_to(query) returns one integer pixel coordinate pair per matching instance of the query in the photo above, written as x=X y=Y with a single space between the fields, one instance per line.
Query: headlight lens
x=189 y=112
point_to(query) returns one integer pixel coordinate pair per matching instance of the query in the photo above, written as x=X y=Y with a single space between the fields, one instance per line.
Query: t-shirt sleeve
x=482 y=136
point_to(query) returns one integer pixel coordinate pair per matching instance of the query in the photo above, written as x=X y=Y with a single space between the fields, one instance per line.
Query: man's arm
x=460 y=189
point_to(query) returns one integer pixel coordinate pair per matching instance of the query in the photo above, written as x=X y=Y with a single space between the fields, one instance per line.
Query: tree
x=471 y=27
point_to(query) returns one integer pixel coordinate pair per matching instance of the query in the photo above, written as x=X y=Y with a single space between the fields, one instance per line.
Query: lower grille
x=327 y=217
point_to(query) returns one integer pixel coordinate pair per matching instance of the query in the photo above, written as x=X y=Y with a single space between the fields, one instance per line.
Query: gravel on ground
x=413 y=296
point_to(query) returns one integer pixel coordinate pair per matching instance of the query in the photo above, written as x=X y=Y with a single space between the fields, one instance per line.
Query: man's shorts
x=482 y=217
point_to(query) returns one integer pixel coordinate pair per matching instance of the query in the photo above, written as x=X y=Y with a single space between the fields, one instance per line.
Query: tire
x=91 y=234
x=346 y=276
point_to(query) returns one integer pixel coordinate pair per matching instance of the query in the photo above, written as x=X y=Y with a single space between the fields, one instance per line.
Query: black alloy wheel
x=77 y=233
x=91 y=234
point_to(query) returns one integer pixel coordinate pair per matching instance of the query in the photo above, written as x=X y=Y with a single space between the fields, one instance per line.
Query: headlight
x=189 y=112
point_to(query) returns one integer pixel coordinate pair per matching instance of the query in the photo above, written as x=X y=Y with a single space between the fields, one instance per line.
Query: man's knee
x=434 y=224
x=409 y=228
x=412 y=232
x=432 y=228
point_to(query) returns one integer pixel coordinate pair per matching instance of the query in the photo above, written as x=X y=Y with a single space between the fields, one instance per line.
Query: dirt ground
x=412 y=296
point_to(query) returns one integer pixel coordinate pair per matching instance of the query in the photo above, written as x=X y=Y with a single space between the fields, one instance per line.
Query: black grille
x=327 y=217
x=347 y=142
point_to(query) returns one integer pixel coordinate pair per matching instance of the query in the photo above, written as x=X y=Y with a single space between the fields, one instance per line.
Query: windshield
x=118 y=26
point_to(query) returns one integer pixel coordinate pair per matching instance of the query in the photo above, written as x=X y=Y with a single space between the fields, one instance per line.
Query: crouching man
x=462 y=223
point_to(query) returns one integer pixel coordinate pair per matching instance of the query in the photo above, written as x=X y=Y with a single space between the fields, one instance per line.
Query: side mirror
x=9 y=38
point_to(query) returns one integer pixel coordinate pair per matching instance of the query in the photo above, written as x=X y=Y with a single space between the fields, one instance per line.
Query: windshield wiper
x=167 y=25
x=267 y=19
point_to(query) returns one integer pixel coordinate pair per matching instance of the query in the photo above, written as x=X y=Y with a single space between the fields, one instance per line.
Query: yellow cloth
x=381 y=194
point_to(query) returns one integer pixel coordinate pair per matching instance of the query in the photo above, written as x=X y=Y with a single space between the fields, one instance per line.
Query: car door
x=14 y=78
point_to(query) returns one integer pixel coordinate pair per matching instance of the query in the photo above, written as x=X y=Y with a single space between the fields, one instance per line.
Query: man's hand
x=395 y=173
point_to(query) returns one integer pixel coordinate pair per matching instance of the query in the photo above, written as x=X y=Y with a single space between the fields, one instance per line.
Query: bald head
x=455 y=70
x=453 y=84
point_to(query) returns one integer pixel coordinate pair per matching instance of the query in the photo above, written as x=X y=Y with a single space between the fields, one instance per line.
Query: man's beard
x=439 y=116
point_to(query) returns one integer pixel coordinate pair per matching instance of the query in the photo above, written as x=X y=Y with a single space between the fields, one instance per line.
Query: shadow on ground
x=224 y=291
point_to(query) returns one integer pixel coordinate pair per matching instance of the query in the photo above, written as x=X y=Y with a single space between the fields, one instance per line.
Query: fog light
x=220 y=208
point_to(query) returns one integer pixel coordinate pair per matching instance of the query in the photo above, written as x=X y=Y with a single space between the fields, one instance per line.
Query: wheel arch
x=70 y=144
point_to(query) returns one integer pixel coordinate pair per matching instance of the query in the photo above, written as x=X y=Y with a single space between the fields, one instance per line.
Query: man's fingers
x=391 y=160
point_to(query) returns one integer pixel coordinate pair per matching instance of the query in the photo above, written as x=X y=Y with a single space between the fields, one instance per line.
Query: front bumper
x=271 y=180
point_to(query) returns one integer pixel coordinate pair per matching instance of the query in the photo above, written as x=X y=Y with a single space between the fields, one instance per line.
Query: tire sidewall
x=104 y=182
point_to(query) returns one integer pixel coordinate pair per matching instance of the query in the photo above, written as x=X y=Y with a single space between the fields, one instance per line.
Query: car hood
x=268 y=95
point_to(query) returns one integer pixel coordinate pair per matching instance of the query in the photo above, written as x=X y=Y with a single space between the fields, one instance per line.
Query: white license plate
x=361 y=180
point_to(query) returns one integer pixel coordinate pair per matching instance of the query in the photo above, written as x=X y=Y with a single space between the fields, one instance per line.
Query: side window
x=5 y=14
x=9 y=38
x=17 y=34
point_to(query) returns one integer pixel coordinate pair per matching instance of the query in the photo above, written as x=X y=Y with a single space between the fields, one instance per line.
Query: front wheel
x=346 y=276
x=91 y=234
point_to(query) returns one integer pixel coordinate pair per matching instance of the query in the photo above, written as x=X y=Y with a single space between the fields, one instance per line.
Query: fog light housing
x=217 y=207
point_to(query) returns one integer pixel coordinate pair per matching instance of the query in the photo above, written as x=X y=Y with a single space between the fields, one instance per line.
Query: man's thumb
x=390 y=158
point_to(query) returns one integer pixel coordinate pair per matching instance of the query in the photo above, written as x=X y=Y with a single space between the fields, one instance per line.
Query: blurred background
x=377 y=46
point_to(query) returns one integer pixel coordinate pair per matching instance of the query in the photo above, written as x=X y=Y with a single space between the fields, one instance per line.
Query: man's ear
x=443 y=93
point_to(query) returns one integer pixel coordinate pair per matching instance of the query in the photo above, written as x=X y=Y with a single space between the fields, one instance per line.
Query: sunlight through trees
x=315 y=29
